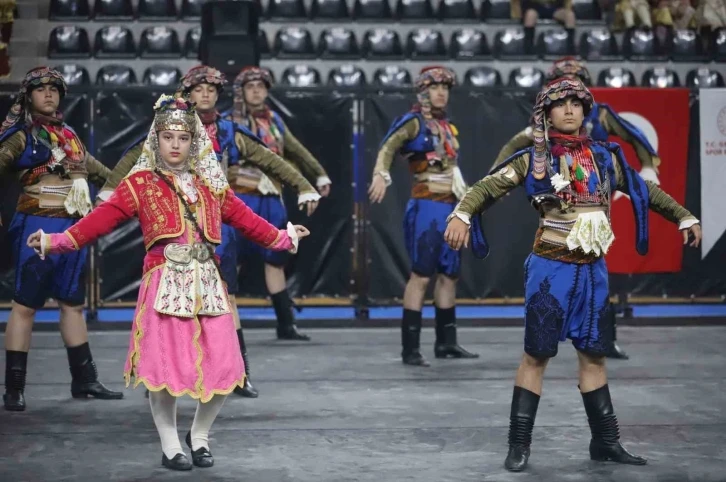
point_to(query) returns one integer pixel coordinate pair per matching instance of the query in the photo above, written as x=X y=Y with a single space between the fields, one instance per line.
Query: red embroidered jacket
x=161 y=214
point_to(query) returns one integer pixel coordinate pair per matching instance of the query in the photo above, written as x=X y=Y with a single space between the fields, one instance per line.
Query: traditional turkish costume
x=570 y=179
x=53 y=167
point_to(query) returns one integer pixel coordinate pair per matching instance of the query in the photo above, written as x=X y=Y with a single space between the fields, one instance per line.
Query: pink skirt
x=199 y=357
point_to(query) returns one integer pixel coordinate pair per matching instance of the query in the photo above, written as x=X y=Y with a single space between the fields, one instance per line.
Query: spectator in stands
x=673 y=13
x=628 y=11
x=710 y=15
x=532 y=10
x=7 y=12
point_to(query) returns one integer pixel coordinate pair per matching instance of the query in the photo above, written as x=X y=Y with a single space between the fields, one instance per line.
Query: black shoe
x=85 y=375
x=289 y=332
x=201 y=457
x=605 y=443
x=617 y=353
x=521 y=423
x=517 y=458
x=16 y=363
x=247 y=391
x=446 y=342
x=179 y=462
x=415 y=359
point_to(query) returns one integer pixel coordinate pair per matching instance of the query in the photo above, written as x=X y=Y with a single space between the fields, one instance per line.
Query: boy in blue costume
x=427 y=139
x=54 y=168
x=570 y=179
x=600 y=124
x=233 y=144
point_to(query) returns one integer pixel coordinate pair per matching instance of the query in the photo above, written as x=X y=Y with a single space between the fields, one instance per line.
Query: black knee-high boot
x=85 y=375
x=248 y=390
x=411 y=338
x=286 y=328
x=605 y=443
x=16 y=367
x=446 y=342
x=521 y=423
x=615 y=350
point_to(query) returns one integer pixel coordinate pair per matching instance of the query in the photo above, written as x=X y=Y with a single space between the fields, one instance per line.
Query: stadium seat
x=162 y=76
x=469 y=44
x=286 y=10
x=641 y=45
x=586 y=11
x=509 y=45
x=191 y=43
x=496 y=11
x=74 y=74
x=191 y=10
x=382 y=44
x=347 y=76
x=301 y=76
x=482 y=77
x=526 y=78
x=616 y=77
x=392 y=76
x=599 y=44
x=156 y=10
x=263 y=44
x=69 y=42
x=704 y=78
x=372 y=11
x=159 y=43
x=115 y=75
x=338 y=43
x=660 y=77
x=114 y=10
x=294 y=43
x=459 y=11
x=416 y=11
x=425 y=44
x=77 y=10
x=329 y=10
x=552 y=44
x=719 y=45
x=686 y=46
x=114 y=42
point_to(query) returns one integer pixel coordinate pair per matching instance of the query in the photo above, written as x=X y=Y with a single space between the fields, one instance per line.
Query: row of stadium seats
x=294 y=10
x=394 y=76
x=71 y=41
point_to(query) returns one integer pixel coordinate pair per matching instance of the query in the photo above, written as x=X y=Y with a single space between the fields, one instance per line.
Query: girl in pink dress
x=183 y=338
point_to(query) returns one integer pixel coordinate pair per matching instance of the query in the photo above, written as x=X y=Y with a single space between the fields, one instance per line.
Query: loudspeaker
x=231 y=17
x=229 y=53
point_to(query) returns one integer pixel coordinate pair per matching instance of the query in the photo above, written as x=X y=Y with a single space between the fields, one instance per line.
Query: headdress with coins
x=248 y=74
x=567 y=66
x=202 y=74
x=552 y=92
x=177 y=114
x=430 y=76
x=37 y=77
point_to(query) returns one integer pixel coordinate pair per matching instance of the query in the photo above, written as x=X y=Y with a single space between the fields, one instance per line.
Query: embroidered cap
x=202 y=74
x=248 y=74
x=434 y=75
x=558 y=89
x=569 y=66
x=174 y=114
x=36 y=77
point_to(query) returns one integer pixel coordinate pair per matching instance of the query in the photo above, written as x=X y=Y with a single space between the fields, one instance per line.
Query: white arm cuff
x=386 y=177
x=687 y=223
x=307 y=197
x=323 y=181
x=43 y=245
x=649 y=174
x=463 y=216
x=293 y=237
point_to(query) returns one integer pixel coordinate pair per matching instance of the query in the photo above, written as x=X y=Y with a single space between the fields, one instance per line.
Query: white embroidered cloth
x=78 y=199
x=184 y=286
x=592 y=233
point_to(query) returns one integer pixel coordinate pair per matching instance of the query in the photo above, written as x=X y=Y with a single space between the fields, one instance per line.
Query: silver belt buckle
x=179 y=253
x=202 y=253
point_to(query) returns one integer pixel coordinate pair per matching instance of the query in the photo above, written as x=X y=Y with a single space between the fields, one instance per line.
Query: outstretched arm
x=98 y=174
x=238 y=215
x=617 y=126
x=304 y=160
x=121 y=170
x=386 y=154
x=521 y=140
x=120 y=207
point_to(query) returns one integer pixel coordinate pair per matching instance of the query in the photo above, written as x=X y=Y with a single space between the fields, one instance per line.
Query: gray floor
x=343 y=408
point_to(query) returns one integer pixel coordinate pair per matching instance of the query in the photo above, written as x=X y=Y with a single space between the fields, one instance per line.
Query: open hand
x=377 y=190
x=301 y=231
x=457 y=234
x=311 y=207
x=694 y=230
x=324 y=190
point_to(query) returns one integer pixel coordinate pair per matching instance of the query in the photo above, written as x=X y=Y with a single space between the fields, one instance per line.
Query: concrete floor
x=344 y=408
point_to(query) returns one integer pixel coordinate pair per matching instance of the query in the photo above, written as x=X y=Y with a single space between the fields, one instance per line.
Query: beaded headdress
x=430 y=76
x=567 y=66
x=248 y=74
x=34 y=78
x=201 y=74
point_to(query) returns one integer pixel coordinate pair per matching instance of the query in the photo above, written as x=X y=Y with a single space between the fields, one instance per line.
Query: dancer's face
x=567 y=115
x=255 y=94
x=205 y=96
x=45 y=99
x=439 y=95
x=174 y=146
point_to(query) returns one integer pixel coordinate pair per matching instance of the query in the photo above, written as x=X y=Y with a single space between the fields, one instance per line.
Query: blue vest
x=36 y=153
x=635 y=186
x=424 y=140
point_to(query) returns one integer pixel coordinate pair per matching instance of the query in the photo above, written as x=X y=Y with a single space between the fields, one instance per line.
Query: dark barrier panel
x=485 y=120
x=76 y=110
